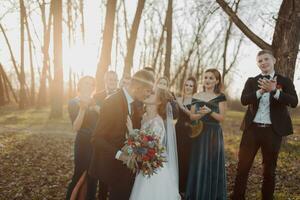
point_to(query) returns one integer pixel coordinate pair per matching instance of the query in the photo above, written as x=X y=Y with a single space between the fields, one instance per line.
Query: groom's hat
x=143 y=77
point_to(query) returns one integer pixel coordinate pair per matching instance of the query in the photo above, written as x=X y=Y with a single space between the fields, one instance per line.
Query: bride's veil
x=171 y=145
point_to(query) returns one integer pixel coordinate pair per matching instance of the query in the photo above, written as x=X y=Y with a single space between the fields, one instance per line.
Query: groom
x=109 y=136
x=266 y=121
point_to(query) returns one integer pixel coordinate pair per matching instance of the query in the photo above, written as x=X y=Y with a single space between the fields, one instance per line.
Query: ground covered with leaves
x=36 y=157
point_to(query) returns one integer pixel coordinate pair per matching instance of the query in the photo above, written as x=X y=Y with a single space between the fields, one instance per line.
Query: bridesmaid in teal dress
x=207 y=178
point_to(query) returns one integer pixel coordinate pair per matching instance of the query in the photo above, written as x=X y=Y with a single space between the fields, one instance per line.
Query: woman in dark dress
x=207 y=179
x=183 y=130
x=84 y=114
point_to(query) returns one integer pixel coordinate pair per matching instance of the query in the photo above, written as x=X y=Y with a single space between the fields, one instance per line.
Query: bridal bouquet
x=145 y=152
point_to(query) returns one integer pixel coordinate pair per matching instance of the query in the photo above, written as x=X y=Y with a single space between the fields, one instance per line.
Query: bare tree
x=228 y=36
x=42 y=95
x=133 y=36
x=105 y=57
x=286 y=37
x=23 y=97
x=30 y=44
x=57 y=84
x=169 y=39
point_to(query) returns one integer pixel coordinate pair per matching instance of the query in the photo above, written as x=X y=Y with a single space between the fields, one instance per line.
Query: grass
x=36 y=156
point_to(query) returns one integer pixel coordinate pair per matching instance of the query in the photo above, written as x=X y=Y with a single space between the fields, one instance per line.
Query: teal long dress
x=207 y=178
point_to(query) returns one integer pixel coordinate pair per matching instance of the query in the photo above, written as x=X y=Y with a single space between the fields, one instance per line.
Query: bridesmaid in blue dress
x=207 y=179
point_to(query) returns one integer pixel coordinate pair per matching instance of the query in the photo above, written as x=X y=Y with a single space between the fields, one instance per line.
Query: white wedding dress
x=164 y=184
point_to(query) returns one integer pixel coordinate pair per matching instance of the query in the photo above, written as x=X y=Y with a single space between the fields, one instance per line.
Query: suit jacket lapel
x=124 y=108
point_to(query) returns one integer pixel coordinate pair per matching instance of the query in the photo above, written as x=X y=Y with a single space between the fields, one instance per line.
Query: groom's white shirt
x=129 y=100
x=263 y=112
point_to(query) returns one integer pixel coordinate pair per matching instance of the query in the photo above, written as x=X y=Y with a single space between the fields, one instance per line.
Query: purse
x=197 y=128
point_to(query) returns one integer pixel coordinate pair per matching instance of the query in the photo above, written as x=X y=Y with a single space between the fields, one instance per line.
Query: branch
x=240 y=24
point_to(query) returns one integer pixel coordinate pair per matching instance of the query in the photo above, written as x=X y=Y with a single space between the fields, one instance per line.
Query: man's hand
x=267 y=85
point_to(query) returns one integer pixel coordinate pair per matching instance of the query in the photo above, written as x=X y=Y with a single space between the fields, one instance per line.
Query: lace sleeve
x=157 y=126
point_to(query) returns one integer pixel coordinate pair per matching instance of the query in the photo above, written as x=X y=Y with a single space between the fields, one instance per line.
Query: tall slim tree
x=169 y=39
x=133 y=36
x=23 y=98
x=57 y=83
x=30 y=44
x=42 y=95
x=105 y=57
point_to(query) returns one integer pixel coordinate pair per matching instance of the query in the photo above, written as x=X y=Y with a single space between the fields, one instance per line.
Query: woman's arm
x=79 y=119
x=195 y=115
x=221 y=115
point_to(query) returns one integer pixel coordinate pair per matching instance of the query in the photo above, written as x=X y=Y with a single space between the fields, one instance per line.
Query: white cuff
x=118 y=154
x=276 y=95
x=258 y=94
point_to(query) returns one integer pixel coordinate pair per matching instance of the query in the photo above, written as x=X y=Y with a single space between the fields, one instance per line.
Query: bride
x=164 y=184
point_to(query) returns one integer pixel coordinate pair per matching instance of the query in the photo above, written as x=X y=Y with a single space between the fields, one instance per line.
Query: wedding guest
x=183 y=130
x=84 y=114
x=207 y=179
x=110 y=85
x=267 y=120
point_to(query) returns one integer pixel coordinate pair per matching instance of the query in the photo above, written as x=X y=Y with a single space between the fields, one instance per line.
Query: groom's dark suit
x=108 y=138
x=264 y=136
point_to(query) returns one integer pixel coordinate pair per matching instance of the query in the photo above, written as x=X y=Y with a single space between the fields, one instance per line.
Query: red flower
x=151 y=152
x=150 y=138
x=145 y=139
x=145 y=158
x=130 y=142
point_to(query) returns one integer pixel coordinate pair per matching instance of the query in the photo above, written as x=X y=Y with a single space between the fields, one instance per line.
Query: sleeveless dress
x=160 y=186
x=207 y=178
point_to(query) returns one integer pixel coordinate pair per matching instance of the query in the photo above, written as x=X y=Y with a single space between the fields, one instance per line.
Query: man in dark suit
x=111 y=86
x=265 y=123
x=109 y=136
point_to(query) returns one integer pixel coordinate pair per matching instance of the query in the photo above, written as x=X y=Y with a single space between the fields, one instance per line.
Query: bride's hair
x=163 y=97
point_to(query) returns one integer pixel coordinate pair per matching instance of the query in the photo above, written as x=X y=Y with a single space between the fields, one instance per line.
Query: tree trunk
x=11 y=53
x=81 y=8
x=42 y=95
x=30 y=42
x=105 y=57
x=57 y=83
x=23 y=101
x=169 y=39
x=133 y=36
x=7 y=82
x=286 y=38
x=2 y=92
x=161 y=40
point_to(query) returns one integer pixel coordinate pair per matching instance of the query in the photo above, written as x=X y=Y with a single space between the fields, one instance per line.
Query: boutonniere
x=279 y=87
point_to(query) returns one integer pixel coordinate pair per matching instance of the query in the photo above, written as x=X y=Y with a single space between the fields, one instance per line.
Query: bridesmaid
x=207 y=179
x=84 y=114
x=183 y=130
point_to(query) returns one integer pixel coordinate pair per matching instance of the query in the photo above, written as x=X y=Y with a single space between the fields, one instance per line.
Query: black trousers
x=254 y=138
